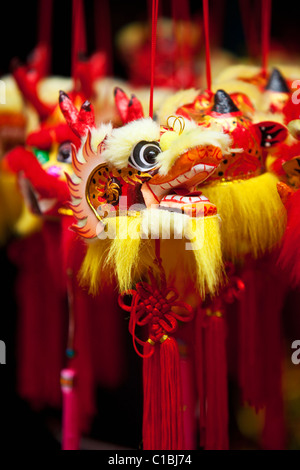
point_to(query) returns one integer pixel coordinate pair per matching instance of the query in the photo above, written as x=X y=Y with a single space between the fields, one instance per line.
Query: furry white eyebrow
x=120 y=142
x=192 y=137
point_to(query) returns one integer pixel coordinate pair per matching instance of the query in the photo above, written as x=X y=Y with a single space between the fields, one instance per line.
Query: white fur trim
x=121 y=141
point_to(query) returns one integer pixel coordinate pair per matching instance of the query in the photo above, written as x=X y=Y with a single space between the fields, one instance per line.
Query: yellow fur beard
x=128 y=257
x=253 y=217
x=11 y=205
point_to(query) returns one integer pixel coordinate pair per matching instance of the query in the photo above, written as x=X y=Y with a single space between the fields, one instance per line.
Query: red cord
x=78 y=33
x=103 y=34
x=266 y=26
x=45 y=22
x=207 y=49
x=153 y=47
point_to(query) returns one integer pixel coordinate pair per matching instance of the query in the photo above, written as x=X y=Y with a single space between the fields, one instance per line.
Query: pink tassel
x=70 y=426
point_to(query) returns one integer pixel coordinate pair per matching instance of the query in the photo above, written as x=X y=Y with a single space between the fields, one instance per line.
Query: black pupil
x=150 y=154
x=64 y=153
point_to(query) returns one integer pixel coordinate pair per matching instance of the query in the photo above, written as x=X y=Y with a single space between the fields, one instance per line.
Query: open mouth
x=198 y=172
x=193 y=204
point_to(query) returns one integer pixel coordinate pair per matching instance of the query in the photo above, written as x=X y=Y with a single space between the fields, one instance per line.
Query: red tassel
x=70 y=431
x=251 y=339
x=162 y=417
x=152 y=400
x=152 y=307
x=187 y=373
x=216 y=383
x=200 y=361
x=172 y=424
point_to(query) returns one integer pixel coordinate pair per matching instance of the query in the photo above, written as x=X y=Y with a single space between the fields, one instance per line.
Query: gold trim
x=87 y=193
x=164 y=338
x=181 y=121
x=65 y=211
x=216 y=313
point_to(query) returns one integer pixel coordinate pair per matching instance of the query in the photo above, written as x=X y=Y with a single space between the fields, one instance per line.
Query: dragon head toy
x=41 y=166
x=246 y=196
x=137 y=183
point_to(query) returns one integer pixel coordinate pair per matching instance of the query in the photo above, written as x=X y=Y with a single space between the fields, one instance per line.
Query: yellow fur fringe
x=126 y=257
x=195 y=261
x=253 y=217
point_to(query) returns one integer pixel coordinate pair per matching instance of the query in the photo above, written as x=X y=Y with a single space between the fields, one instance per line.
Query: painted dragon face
x=143 y=165
x=249 y=140
x=110 y=169
x=143 y=176
x=190 y=155
x=42 y=165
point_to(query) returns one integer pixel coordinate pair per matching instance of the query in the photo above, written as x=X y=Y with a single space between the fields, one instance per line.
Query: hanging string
x=206 y=38
x=103 y=35
x=181 y=13
x=45 y=25
x=78 y=33
x=265 y=33
x=249 y=23
x=45 y=21
x=153 y=47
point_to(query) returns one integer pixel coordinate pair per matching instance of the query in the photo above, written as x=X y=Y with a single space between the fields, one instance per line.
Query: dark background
x=19 y=27
x=120 y=420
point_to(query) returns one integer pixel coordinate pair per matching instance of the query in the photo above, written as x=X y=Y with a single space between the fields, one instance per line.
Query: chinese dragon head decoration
x=245 y=195
x=139 y=182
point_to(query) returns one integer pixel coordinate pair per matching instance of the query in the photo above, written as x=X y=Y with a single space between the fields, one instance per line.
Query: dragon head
x=249 y=140
x=144 y=175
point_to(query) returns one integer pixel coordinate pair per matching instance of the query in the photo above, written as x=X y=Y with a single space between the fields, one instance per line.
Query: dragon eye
x=143 y=155
x=65 y=153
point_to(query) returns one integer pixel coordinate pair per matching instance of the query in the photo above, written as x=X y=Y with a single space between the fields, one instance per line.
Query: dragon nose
x=55 y=170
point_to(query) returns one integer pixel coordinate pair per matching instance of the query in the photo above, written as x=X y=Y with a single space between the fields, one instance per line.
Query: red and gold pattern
x=246 y=159
x=102 y=186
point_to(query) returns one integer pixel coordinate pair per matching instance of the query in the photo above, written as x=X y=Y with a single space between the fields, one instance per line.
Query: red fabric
x=284 y=153
x=45 y=137
x=291 y=110
x=152 y=410
x=152 y=306
x=260 y=345
x=200 y=371
x=216 y=384
x=98 y=337
x=290 y=253
x=42 y=319
x=70 y=421
x=27 y=81
x=46 y=185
